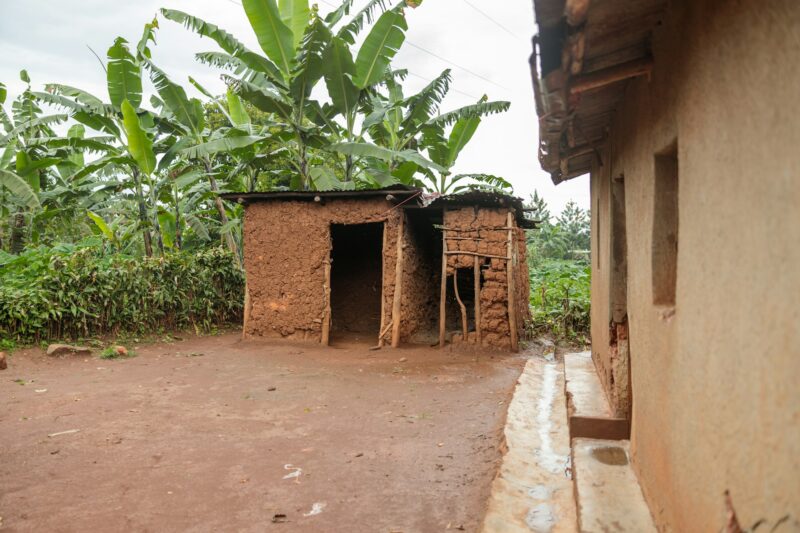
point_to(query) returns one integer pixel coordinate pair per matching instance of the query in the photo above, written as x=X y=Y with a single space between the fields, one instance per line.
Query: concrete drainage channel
x=533 y=489
x=552 y=480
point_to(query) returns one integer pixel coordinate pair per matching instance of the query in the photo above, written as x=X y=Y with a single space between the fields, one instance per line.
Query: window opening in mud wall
x=618 y=375
x=665 y=227
x=598 y=238
x=356 y=278
x=619 y=251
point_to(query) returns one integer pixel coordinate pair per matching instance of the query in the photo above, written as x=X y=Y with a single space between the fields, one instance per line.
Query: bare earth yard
x=216 y=434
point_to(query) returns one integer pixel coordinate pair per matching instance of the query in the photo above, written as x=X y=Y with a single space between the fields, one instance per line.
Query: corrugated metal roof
x=408 y=196
x=249 y=197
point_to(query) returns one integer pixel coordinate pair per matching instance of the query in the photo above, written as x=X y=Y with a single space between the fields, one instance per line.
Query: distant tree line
x=565 y=237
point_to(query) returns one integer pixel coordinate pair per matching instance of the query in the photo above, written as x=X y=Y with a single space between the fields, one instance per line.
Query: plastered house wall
x=716 y=378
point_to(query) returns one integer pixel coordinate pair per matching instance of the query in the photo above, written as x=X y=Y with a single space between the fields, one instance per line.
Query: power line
x=493 y=21
x=451 y=88
x=437 y=56
x=440 y=58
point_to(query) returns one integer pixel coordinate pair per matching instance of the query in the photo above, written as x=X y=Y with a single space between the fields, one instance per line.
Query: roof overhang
x=390 y=193
x=401 y=196
x=583 y=54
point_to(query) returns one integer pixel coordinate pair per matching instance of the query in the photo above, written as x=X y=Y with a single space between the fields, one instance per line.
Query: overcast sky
x=486 y=43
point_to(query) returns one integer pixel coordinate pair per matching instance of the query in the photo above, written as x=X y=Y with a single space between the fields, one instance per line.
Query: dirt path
x=191 y=436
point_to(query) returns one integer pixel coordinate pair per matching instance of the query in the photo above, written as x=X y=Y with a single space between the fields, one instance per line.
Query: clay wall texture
x=716 y=400
x=420 y=295
x=286 y=246
x=488 y=225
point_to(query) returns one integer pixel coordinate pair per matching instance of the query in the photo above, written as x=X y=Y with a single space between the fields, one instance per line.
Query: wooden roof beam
x=602 y=78
x=576 y=11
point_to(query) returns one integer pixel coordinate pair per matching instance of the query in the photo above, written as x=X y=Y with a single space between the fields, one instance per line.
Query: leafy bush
x=69 y=292
x=560 y=299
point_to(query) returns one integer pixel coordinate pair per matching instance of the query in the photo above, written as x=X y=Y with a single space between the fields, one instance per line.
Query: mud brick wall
x=483 y=231
x=420 y=294
x=286 y=246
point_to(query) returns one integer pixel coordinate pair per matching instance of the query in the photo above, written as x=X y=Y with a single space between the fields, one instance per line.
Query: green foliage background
x=560 y=299
x=559 y=263
x=80 y=291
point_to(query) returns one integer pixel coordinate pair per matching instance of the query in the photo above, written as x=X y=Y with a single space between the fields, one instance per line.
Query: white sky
x=50 y=38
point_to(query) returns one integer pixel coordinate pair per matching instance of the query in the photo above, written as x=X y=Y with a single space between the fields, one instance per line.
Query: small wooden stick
x=246 y=317
x=455 y=252
x=381 y=335
x=326 y=318
x=484 y=228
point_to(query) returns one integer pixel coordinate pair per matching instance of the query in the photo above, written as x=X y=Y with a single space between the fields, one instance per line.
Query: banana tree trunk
x=302 y=160
x=178 y=230
x=223 y=216
x=17 y=241
x=156 y=224
x=148 y=245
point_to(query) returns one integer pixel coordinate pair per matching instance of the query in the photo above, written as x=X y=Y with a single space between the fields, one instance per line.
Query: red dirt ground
x=189 y=436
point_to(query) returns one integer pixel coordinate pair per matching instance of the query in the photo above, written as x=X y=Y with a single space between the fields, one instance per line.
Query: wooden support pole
x=246 y=311
x=443 y=291
x=326 y=317
x=477 y=274
x=510 y=282
x=398 y=284
x=464 y=230
x=382 y=331
x=459 y=252
x=463 y=307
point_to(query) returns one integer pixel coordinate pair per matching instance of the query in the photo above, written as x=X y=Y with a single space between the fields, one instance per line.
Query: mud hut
x=389 y=266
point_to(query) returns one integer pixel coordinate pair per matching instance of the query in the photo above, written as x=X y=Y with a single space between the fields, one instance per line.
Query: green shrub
x=560 y=299
x=70 y=292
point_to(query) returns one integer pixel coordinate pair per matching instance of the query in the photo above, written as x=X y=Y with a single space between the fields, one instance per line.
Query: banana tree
x=266 y=80
x=30 y=151
x=300 y=48
x=401 y=123
x=197 y=144
x=124 y=84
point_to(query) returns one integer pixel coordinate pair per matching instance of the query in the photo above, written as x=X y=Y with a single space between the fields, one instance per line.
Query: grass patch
x=116 y=352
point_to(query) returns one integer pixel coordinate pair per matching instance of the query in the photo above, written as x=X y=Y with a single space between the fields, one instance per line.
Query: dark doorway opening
x=461 y=286
x=619 y=372
x=423 y=261
x=356 y=278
